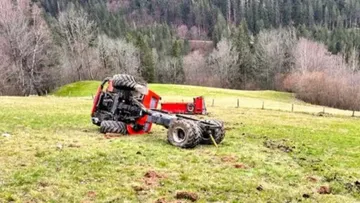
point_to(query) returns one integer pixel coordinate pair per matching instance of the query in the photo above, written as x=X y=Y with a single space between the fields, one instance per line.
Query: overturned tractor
x=123 y=105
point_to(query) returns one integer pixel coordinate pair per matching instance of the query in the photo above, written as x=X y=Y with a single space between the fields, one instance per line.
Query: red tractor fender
x=98 y=93
x=150 y=101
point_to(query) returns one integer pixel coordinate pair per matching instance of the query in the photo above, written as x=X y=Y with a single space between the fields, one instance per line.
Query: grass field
x=222 y=97
x=50 y=152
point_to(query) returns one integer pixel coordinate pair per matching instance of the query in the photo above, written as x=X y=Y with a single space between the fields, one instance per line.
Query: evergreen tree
x=220 y=28
x=146 y=58
x=286 y=12
x=310 y=15
x=242 y=44
x=178 y=61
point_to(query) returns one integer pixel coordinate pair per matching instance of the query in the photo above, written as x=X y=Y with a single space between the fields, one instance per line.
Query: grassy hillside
x=50 y=152
x=222 y=97
x=78 y=89
x=88 y=88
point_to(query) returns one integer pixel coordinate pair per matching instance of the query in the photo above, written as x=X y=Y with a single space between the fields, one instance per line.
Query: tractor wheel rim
x=178 y=135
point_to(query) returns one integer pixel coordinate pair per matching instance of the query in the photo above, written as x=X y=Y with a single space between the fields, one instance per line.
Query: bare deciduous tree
x=273 y=55
x=222 y=62
x=197 y=72
x=313 y=56
x=24 y=47
x=169 y=70
x=323 y=78
x=78 y=35
x=118 y=56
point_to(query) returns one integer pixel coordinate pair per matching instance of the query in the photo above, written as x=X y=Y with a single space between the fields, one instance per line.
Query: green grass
x=77 y=89
x=88 y=88
x=55 y=154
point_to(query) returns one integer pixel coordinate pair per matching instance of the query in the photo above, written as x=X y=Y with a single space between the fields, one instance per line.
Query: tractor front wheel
x=184 y=134
x=113 y=127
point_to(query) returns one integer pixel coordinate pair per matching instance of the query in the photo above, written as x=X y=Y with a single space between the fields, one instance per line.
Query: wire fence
x=266 y=104
x=295 y=106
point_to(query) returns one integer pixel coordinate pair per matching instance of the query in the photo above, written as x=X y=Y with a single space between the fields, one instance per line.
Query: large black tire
x=218 y=133
x=121 y=81
x=113 y=127
x=124 y=80
x=184 y=133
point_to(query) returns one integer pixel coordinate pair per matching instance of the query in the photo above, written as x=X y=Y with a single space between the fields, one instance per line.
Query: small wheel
x=218 y=133
x=113 y=127
x=184 y=133
x=190 y=107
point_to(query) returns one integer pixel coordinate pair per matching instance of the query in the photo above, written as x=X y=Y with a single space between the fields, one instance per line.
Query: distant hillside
x=88 y=88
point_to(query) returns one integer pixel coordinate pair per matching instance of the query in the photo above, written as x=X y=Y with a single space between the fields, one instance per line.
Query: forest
x=309 y=47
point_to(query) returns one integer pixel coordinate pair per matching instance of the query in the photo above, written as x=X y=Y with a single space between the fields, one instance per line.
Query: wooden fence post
x=238 y=103
x=292 y=108
x=263 y=105
x=213 y=101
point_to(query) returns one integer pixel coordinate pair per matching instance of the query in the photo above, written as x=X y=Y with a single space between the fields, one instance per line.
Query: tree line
x=256 y=44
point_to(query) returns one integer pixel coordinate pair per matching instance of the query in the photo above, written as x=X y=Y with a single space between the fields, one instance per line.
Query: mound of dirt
x=152 y=178
x=187 y=195
x=241 y=166
x=161 y=200
x=324 y=190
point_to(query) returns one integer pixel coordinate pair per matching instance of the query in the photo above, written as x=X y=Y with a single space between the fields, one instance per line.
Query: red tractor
x=127 y=107
x=197 y=107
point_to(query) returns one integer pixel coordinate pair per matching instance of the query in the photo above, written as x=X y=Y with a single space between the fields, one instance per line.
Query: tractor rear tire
x=218 y=134
x=113 y=127
x=184 y=133
x=121 y=81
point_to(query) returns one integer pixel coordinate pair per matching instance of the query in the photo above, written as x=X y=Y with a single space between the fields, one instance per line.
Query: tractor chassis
x=125 y=109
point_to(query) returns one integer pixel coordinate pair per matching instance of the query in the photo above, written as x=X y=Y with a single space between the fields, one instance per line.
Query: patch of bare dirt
x=187 y=195
x=312 y=179
x=44 y=184
x=112 y=135
x=152 y=178
x=281 y=145
x=138 y=188
x=91 y=194
x=74 y=146
x=161 y=200
x=230 y=159
x=241 y=166
x=324 y=190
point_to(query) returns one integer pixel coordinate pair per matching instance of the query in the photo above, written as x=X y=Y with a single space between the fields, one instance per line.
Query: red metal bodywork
x=197 y=107
x=150 y=101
